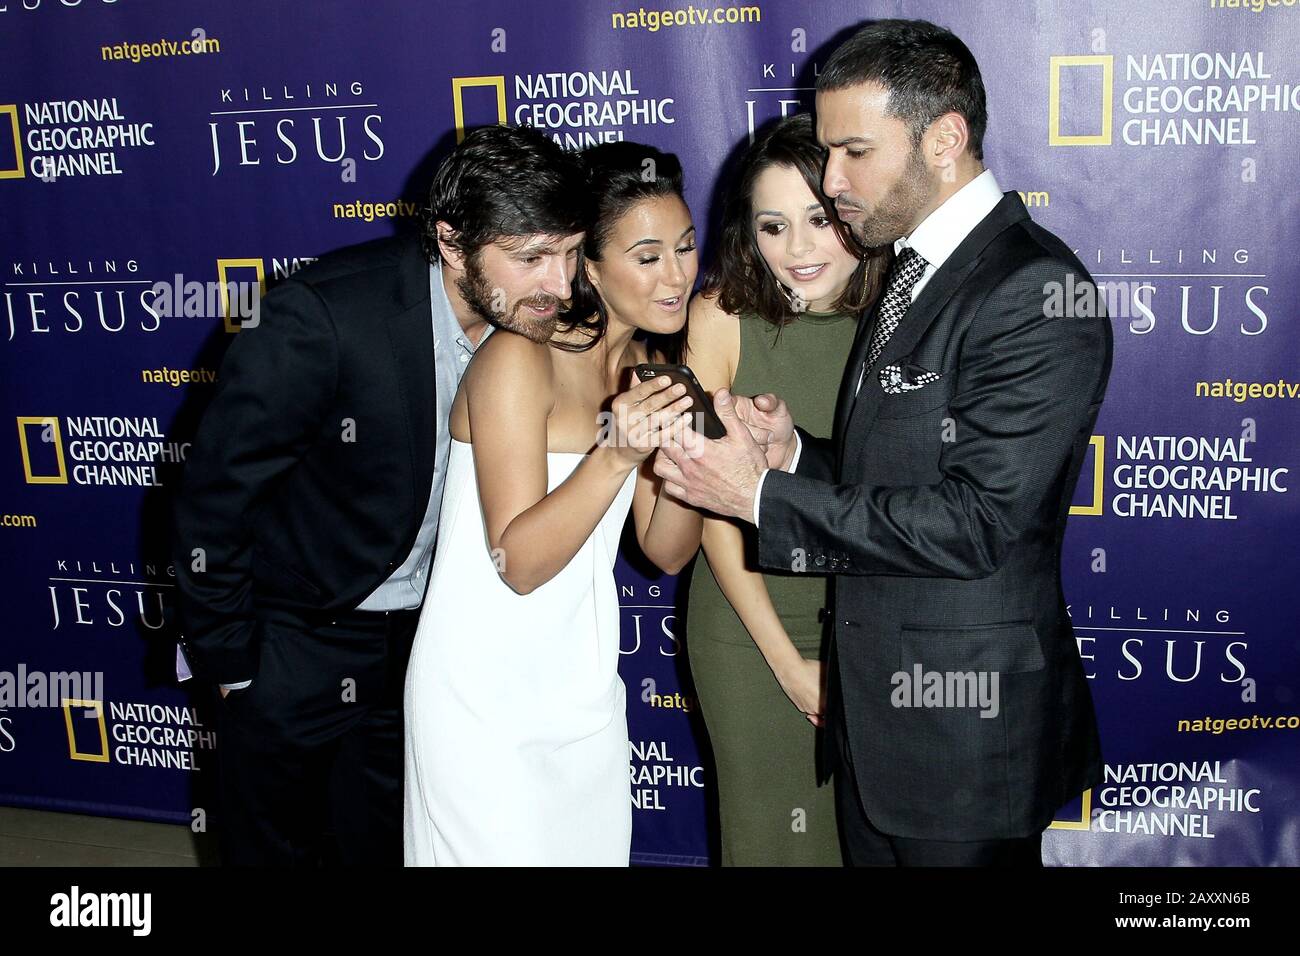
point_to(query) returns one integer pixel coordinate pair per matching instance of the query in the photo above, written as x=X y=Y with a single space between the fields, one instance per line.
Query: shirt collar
x=941 y=232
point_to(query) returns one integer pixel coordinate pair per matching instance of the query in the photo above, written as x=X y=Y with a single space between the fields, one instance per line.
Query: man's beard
x=478 y=294
x=896 y=212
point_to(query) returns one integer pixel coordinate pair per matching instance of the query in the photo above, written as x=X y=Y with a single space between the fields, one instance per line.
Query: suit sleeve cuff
x=794 y=463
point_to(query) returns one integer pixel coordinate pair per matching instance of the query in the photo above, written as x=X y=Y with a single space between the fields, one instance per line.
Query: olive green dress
x=771 y=810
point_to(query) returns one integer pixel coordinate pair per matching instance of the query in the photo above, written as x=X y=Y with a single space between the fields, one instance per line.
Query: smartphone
x=703 y=418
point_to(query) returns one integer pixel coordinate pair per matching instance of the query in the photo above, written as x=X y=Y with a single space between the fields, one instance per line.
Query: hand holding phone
x=641 y=418
x=703 y=418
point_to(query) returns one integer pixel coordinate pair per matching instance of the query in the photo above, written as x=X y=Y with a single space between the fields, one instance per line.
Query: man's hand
x=721 y=474
x=770 y=423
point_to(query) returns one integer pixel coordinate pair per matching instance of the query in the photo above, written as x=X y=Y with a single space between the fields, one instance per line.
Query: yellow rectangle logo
x=1101 y=138
x=19 y=171
x=222 y=266
x=1085 y=816
x=460 y=83
x=1098 y=442
x=55 y=438
x=97 y=707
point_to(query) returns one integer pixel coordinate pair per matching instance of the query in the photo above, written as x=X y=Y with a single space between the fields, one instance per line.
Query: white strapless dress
x=516 y=718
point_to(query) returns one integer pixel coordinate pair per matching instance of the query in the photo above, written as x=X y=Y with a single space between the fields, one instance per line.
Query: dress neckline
x=580 y=454
x=825 y=316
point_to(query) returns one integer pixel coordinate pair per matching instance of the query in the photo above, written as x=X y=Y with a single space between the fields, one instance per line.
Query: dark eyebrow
x=780 y=215
x=850 y=139
x=537 y=249
x=543 y=247
x=658 y=242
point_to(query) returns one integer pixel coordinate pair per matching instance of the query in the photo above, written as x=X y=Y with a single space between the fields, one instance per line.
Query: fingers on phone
x=650 y=386
x=663 y=398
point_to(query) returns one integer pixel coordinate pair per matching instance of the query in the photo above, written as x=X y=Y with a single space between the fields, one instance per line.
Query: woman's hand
x=804 y=682
x=643 y=417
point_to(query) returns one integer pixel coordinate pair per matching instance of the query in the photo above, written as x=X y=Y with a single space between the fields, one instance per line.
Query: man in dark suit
x=958 y=706
x=309 y=506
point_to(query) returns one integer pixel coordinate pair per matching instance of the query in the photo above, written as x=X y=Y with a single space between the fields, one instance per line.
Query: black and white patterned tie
x=898 y=296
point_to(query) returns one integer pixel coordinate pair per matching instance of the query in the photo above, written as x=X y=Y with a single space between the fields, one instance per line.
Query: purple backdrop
x=243 y=140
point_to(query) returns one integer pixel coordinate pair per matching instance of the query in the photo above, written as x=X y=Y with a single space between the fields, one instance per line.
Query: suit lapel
x=410 y=336
x=857 y=355
x=856 y=413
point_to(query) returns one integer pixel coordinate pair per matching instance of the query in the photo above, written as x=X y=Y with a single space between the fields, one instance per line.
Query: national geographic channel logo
x=136 y=734
x=576 y=109
x=68 y=138
x=103 y=450
x=1191 y=98
x=1176 y=477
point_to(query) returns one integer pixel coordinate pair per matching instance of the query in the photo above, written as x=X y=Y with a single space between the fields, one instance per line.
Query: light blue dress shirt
x=452 y=351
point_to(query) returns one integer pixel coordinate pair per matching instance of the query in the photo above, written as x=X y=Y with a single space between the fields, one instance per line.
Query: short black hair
x=926 y=69
x=504 y=181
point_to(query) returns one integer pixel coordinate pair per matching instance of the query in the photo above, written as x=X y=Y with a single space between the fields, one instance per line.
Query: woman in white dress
x=516 y=727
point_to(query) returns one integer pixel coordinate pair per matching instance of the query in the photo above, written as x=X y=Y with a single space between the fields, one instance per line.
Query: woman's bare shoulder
x=509 y=354
x=706 y=310
x=509 y=372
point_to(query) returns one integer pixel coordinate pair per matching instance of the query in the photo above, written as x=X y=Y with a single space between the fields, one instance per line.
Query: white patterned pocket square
x=897 y=379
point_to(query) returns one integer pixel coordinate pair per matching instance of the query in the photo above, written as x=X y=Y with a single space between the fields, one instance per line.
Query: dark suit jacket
x=310 y=473
x=940 y=511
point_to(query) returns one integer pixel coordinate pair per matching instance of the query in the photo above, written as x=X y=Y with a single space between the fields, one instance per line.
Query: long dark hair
x=738 y=276
x=622 y=174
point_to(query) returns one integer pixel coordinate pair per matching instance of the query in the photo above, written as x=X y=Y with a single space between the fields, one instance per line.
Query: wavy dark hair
x=622 y=175
x=503 y=182
x=739 y=277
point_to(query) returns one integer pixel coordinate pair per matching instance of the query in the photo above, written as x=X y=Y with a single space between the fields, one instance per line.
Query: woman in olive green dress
x=777 y=313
